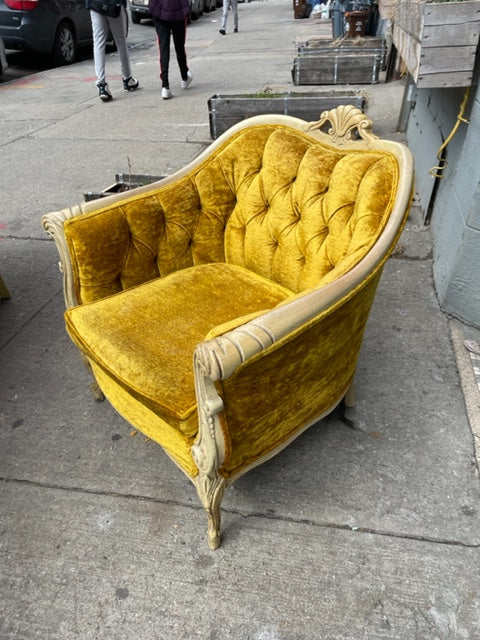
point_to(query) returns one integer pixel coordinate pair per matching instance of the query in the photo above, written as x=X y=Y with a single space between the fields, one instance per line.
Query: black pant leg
x=163 y=29
x=179 y=33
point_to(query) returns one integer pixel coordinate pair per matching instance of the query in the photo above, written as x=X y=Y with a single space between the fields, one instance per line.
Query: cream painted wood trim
x=218 y=358
x=53 y=225
x=345 y=127
x=342 y=125
x=4 y=292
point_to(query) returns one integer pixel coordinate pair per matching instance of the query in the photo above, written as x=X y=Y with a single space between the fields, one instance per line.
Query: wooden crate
x=337 y=66
x=369 y=44
x=226 y=110
x=123 y=182
x=437 y=41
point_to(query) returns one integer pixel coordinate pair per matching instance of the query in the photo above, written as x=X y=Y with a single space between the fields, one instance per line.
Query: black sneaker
x=103 y=92
x=222 y=31
x=235 y=30
x=130 y=84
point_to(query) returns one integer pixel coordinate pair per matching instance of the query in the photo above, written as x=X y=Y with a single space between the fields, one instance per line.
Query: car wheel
x=65 y=46
x=136 y=17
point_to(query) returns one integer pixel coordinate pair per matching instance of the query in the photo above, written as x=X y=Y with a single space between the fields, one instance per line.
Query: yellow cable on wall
x=437 y=172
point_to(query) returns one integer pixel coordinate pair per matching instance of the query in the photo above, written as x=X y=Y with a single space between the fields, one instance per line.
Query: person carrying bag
x=110 y=16
x=110 y=8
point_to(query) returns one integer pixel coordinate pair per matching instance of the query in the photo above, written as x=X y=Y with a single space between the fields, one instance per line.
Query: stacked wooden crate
x=437 y=41
x=341 y=61
x=226 y=110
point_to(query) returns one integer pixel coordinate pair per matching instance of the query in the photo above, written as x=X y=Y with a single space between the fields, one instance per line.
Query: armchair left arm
x=115 y=243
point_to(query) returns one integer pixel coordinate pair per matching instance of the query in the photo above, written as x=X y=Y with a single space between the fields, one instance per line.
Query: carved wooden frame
x=216 y=359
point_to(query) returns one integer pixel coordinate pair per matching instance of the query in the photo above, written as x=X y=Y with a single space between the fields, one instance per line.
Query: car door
x=81 y=20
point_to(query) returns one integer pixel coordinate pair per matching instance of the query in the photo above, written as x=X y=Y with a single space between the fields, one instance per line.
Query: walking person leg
x=119 y=27
x=162 y=28
x=179 y=33
x=226 y=6
x=170 y=17
x=100 y=30
x=234 y=5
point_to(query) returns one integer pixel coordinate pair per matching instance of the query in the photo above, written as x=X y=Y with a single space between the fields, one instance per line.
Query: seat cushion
x=144 y=337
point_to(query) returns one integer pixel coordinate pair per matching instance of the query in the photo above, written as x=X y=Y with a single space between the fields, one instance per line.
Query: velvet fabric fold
x=144 y=338
x=270 y=214
x=272 y=200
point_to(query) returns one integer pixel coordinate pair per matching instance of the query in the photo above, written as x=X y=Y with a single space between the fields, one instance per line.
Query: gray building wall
x=453 y=202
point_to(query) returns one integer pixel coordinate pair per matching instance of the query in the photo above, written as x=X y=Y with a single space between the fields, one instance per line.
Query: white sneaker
x=186 y=83
x=166 y=93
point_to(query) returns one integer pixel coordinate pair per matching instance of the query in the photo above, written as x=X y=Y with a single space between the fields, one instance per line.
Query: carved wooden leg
x=211 y=489
x=4 y=292
x=208 y=451
x=349 y=398
x=97 y=393
x=348 y=402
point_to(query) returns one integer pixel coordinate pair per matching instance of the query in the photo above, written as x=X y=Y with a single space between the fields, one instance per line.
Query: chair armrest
x=261 y=384
x=225 y=357
x=53 y=225
x=113 y=243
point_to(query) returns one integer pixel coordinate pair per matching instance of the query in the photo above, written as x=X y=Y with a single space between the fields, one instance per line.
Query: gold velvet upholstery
x=144 y=351
x=222 y=309
x=259 y=201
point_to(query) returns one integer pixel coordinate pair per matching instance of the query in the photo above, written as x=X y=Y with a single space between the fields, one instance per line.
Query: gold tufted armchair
x=221 y=309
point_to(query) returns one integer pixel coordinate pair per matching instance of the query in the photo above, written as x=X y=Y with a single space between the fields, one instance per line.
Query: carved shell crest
x=345 y=121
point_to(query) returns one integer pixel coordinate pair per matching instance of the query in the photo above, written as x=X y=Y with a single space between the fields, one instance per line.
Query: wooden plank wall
x=438 y=41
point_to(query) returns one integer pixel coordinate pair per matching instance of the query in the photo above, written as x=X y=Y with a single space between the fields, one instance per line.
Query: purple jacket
x=169 y=9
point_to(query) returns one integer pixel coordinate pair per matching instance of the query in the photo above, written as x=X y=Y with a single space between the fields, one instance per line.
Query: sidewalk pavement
x=349 y=534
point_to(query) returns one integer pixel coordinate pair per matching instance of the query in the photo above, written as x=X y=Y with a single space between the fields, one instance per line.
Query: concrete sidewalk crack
x=254 y=514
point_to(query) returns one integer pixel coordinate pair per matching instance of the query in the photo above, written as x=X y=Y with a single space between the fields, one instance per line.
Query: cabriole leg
x=97 y=393
x=349 y=398
x=347 y=402
x=211 y=490
x=4 y=292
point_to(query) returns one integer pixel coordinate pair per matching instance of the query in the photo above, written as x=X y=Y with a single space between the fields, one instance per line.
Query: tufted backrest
x=271 y=199
x=305 y=213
